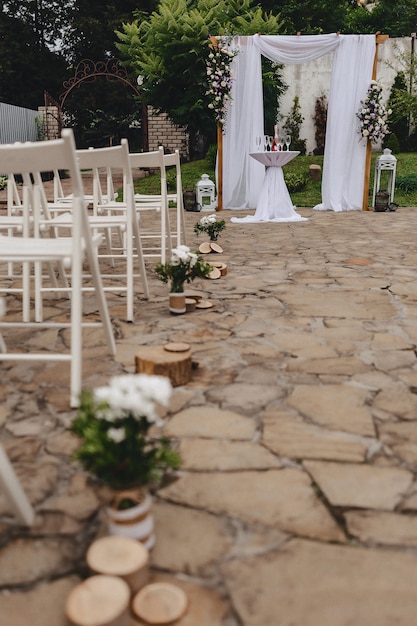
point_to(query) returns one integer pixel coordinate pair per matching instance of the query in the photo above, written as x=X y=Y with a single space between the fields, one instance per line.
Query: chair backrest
x=31 y=159
x=151 y=160
x=108 y=159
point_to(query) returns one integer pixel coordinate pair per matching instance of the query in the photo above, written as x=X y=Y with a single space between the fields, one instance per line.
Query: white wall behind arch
x=310 y=80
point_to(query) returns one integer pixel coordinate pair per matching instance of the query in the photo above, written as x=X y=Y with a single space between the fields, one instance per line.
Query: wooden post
x=219 y=167
x=367 y=175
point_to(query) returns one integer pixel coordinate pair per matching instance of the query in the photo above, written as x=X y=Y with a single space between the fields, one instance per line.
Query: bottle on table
x=276 y=143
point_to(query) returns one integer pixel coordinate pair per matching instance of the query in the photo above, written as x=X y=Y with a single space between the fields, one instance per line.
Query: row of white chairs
x=62 y=246
x=47 y=240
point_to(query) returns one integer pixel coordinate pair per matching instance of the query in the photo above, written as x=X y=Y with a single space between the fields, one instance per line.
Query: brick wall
x=162 y=132
x=51 y=121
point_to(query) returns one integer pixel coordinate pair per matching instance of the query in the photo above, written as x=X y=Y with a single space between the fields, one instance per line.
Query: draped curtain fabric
x=344 y=157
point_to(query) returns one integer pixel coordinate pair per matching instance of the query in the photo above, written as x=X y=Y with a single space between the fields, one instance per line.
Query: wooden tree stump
x=99 y=601
x=315 y=172
x=172 y=360
x=120 y=556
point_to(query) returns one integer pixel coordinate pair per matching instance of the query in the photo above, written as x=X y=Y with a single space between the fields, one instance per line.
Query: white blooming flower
x=116 y=434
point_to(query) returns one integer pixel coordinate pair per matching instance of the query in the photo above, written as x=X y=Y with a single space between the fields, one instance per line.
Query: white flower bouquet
x=183 y=267
x=113 y=425
x=373 y=115
x=211 y=225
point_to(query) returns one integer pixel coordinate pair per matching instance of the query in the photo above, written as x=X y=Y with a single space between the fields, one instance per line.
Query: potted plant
x=184 y=267
x=211 y=225
x=119 y=444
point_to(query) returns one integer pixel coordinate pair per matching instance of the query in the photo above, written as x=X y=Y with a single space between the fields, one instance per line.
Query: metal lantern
x=385 y=162
x=206 y=193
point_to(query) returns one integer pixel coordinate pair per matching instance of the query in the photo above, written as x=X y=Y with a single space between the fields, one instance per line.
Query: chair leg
x=15 y=495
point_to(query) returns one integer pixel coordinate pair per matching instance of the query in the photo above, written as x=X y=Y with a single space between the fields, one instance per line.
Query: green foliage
x=211 y=225
x=170 y=48
x=295 y=182
x=398 y=122
x=407 y=183
x=26 y=68
x=211 y=155
x=293 y=124
x=3 y=182
x=392 y=143
x=396 y=19
x=403 y=97
x=309 y=16
x=320 y=120
x=190 y=174
x=138 y=459
x=184 y=267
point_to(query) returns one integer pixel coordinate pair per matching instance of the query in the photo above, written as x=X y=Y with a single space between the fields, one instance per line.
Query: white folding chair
x=157 y=243
x=117 y=219
x=174 y=160
x=35 y=248
x=13 y=492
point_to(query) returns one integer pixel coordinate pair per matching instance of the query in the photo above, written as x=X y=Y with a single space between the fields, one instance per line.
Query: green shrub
x=392 y=143
x=407 y=183
x=211 y=155
x=3 y=182
x=295 y=183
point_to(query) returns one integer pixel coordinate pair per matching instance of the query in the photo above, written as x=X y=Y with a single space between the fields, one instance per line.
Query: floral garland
x=373 y=115
x=219 y=77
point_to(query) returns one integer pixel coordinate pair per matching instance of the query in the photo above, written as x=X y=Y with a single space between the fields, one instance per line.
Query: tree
x=403 y=97
x=26 y=70
x=170 y=47
x=292 y=126
x=48 y=20
x=396 y=19
x=309 y=16
x=398 y=120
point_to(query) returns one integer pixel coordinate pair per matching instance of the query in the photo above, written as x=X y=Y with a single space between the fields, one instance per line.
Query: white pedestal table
x=274 y=202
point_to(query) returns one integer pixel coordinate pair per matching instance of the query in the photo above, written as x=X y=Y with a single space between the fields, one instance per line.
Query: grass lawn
x=299 y=168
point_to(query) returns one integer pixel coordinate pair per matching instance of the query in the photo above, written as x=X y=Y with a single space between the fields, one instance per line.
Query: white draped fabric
x=344 y=158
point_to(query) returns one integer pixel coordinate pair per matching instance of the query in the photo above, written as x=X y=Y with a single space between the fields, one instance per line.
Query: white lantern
x=206 y=193
x=388 y=162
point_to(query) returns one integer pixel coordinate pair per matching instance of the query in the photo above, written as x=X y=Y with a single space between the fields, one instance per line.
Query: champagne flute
x=258 y=143
x=270 y=143
x=265 y=143
x=288 y=141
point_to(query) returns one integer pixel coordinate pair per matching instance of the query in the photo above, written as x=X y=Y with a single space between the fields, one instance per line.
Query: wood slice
x=177 y=347
x=120 y=556
x=160 y=603
x=190 y=304
x=215 y=273
x=99 y=601
x=215 y=247
x=195 y=295
x=204 y=304
x=205 y=248
x=158 y=361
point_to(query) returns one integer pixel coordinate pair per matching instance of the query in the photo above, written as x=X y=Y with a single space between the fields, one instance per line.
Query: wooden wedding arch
x=380 y=39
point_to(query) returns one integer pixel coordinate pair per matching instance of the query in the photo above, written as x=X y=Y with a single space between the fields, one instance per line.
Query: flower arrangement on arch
x=219 y=76
x=373 y=114
x=211 y=225
x=183 y=268
x=113 y=424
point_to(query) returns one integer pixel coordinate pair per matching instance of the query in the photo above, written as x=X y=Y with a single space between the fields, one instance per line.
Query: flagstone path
x=296 y=504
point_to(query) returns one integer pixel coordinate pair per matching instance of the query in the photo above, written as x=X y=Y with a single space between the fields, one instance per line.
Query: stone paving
x=296 y=504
